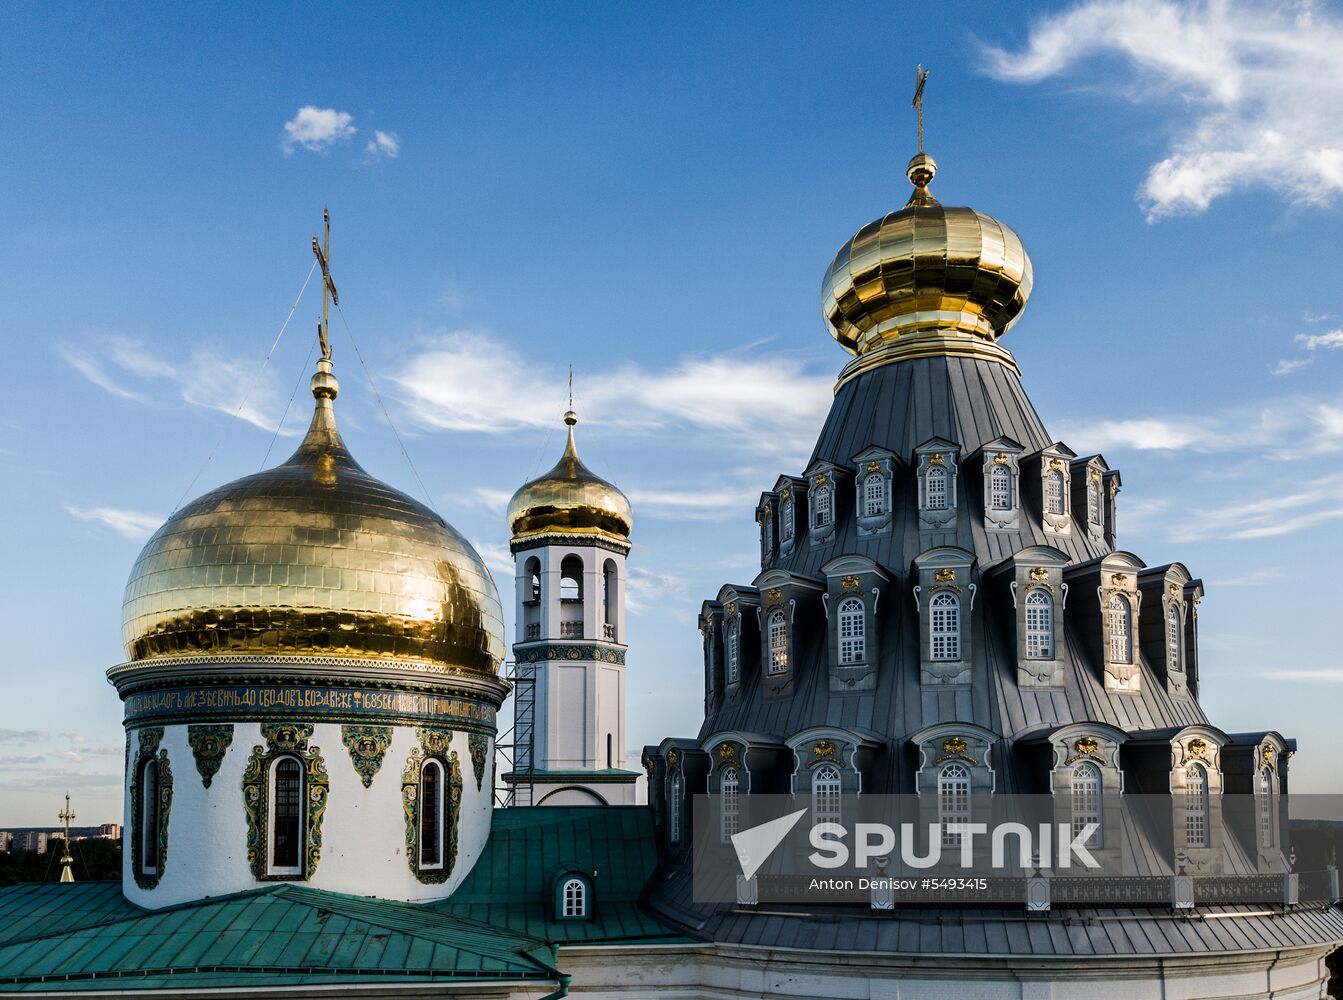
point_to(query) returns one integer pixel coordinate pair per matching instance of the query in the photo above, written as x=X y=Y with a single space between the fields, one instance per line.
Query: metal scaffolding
x=515 y=747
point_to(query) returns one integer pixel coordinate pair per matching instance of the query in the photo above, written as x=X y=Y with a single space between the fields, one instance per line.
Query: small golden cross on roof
x=918 y=101
x=322 y=252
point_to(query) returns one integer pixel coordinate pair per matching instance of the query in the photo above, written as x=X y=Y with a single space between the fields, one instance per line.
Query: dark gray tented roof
x=899 y=407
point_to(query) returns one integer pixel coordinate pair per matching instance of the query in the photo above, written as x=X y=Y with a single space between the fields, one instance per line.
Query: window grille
x=1000 y=488
x=935 y=488
x=778 y=642
x=826 y=787
x=1268 y=821
x=1094 y=502
x=1120 y=616
x=1196 y=806
x=286 y=830
x=431 y=802
x=674 y=807
x=786 y=520
x=575 y=898
x=730 y=812
x=874 y=495
x=149 y=818
x=852 y=631
x=1054 y=491
x=1173 y=636
x=823 y=507
x=1039 y=625
x=953 y=801
x=1086 y=801
x=945 y=627
x=732 y=653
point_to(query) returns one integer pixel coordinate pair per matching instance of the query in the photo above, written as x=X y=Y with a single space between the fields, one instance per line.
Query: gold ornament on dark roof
x=954 y=745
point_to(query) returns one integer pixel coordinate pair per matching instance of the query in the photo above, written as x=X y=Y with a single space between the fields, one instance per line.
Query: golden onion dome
x=927 y=280
x=314 y=557
x=570 y=500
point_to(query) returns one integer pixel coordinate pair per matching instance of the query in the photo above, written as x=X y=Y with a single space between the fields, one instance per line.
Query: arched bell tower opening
x=569 y=536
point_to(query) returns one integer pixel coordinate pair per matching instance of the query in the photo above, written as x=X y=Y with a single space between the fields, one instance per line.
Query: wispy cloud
x=316 y=129
x=136 y=525
x=1321 y=675
x=1253 y=88
x=646 y=588
x=453 y=384
x=1312 y=502
x=690 y=502
x=383 y=145
x=21 y=735
x=1331 y=341
x=129 y=369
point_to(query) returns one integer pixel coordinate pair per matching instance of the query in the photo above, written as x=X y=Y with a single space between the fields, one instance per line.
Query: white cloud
x=1333 y=340
x=383 y=145
x=1321 y=675
x=1312 y=503
x=206 y=378
x=1253 y=88
x=686 y=502
x=1288 y=365
x=136 y=525
x=316 y=129
x=454 y=384
x=646 y=588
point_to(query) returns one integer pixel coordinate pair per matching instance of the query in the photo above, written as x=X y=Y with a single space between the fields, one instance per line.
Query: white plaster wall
x=363 y=829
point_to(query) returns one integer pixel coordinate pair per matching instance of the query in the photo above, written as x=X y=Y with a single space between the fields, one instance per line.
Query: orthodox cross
x=918 y=101
x=322 y=252
x=66 y=874
x=571 y=387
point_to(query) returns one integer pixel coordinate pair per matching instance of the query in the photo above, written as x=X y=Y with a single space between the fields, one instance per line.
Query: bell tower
x=569 y=534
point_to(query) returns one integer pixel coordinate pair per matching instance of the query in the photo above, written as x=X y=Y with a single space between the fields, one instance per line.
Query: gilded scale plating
x=314 y=556
x=570 y=499
x=926 y=280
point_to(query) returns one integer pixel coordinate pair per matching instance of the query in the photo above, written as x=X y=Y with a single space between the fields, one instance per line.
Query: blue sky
x=652 y=194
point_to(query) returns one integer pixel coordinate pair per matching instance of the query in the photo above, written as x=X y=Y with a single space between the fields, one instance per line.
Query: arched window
x=786 y=520
x=1054 y=492
x=1094 y=501
x=852 y=631
x=1039 y=624
x=431 y=814
x=768 y=527
x=610 y=590
x=1173 y=636
x=825 y=794
x=953 y=801
x=1086 y=801
x=1000 y=488
x=944 y=627
x=935 y=488
x=286 y=816
x=822 y=507
x=778 y=642
x=1119 y=615
x=674 y=806
x=730 y=813
x=733 y=653
x=874 y=495
x=575 y=897
x=532 y=574
x=1196 y=806
x=571 y=579
x=149 y=817
x=1268 y=818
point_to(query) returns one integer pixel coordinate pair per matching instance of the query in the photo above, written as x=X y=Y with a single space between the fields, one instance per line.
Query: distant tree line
x=95 y=860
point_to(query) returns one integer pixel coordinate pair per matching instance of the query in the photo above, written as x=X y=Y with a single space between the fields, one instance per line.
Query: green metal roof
x=498 y=927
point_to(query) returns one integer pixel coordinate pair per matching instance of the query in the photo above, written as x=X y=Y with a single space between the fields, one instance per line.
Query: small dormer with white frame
x=1111 y=483
x=944 y=593
x=790 y=606
x=741 y=636
x=1196 y=786
x=936 y=463
x=1089 y=500
x=874 y=480
x=1105 y=613
x=1002 y=484
x=1087 y=781
x=711 y=627
x=792 y=511
x=855 y=590
x=766 y=515
x=1048 y=477
x=1033 y=578
x=824 y=482
x=1165 y=632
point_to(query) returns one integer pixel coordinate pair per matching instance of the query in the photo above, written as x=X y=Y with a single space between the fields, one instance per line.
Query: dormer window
x=778 y=642
x=1000 y=488
x=786 y=518
x=1039 y=624
x=826 y=801
x=852 y=631
x=1086 y=801
x=729 y=785
x=1054 y=495
x=733 y=653
x=769 y=528
x=822 y=506
x=944 y=627
x=1119 y=626
x=1094 y=500
x=953 y=801
x=1268 y=820
x=1196 y=806
x=935 y=491
x=1174 y=629
x=874 y=495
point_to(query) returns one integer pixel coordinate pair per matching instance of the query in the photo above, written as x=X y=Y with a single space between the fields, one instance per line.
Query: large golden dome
x=569 y=500
x=927 y=280
x=317 y=557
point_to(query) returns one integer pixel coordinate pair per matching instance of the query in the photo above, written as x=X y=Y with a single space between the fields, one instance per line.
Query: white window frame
x=822 y=506
x=938 y=498
x=674 y=793
x=827 y=787
x=944 y=627
x=148 y=825
x=953 y=800
x=574 y=893
x=1119 y=629
x=439 y=803
x=1268 y=813
x=777 y=633
x=1196 y=806
x=729 y=813
x=786 y=520
x=852 y=614
x=1056 y=493
x=733 y=652
x=1087 y=800
x=1038 y=614
x=1000 y=488
x=1174 y=636
x=1094 y=502
x=272 y=788
x=874 y=494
